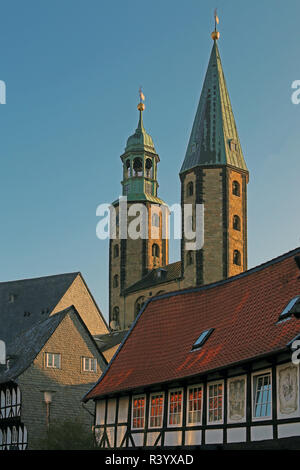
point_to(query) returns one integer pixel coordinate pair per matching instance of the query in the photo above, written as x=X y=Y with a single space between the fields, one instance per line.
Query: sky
x=72 y=71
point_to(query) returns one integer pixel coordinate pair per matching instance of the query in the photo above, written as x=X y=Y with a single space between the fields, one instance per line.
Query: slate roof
x=169 y=273
x=108 y=341
x=34 y=299
x=214 y=125
x=243 y=310
x=26 y=345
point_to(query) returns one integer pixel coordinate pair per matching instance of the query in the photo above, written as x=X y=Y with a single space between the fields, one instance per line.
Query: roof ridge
x=40 y=277
x=212 y=285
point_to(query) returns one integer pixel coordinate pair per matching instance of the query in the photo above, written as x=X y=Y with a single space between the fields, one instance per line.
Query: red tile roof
x=243 y=311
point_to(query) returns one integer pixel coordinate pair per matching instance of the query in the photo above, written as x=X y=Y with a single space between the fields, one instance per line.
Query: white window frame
x=154 y=394
x=188 y=401
x=253 y=394
x=135 y=397
x=209 y=384
x=91 y=360
x=47 y=354
x=169 y=403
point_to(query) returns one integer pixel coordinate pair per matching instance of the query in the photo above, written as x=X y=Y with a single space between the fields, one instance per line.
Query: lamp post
x=48 y=395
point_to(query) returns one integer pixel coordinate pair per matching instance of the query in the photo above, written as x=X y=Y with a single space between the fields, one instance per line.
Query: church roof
x=25 y=302
x=156 y=277
x=214 y=139
x=243 y=311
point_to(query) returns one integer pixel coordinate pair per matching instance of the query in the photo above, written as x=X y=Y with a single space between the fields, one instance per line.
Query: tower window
x=115 y=323
x=137 y=167
x=190 y=189
x=149 y=168
x=237 y=257
x=189 y=258
x=138 y=305
x=116 y=280
x=236 y=222
x=236 y=188
x=116 y=251
x=155 y=250
x=155 y=220
x=128 y=169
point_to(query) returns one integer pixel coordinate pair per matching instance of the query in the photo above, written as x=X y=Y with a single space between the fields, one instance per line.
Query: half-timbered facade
x=227 y=375
x=49 y=357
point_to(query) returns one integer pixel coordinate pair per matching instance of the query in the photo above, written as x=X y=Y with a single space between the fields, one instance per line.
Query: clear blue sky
x=73 y=69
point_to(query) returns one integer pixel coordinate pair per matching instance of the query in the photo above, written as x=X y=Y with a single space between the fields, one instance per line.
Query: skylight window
x=293 y=307
x=202 y=338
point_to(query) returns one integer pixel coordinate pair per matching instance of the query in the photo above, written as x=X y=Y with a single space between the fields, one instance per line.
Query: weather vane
x=142 y=96
x=215 y=34
x=141 y=105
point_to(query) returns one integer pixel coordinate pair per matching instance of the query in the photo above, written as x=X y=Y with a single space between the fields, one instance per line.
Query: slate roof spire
x=214 y=138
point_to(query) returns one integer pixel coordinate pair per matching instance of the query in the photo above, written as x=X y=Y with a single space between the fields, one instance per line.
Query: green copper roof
x=140 y=140
x=214 y=139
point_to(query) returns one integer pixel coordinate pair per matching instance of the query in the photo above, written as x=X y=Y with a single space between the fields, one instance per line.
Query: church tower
x=133 y=255
x=214 y=173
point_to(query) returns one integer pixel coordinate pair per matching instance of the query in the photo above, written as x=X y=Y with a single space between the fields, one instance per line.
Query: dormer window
x=202 y=338
x=292 y=308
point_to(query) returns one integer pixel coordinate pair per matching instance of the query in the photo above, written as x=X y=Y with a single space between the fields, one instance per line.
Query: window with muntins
x=262 y=394
x=175 y=408
x=138 y=412
x=52 y=360
x=215 y=402
x=156 y=410
x=194 y=410
x=89 y=364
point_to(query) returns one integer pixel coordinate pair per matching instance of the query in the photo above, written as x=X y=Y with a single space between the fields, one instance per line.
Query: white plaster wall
x=236 y=435
x=111 y=410
x=100 y=412
x=123 y=410
x=261 y=433
x=193 y=438
x=214 y=436
x=173 y=438
x=287 y=430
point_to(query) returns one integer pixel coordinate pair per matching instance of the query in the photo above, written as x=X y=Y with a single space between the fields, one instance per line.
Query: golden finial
x=215 y=34
x=141 y=105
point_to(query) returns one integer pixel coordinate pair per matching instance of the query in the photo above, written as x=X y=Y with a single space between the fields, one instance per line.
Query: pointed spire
x=214 y=139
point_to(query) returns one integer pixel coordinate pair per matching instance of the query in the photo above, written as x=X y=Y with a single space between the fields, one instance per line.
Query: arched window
x=236 y=188
x=236 y=222
x=137 y=167
x=138 y=305
x=155 y=250
x=115 y=319
x=237 y=257
x=155 y=220
x=149 y=168
x=128 y=169
x=189 y=258
x=116 y=280
x=190 y=189
x=116 y=251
